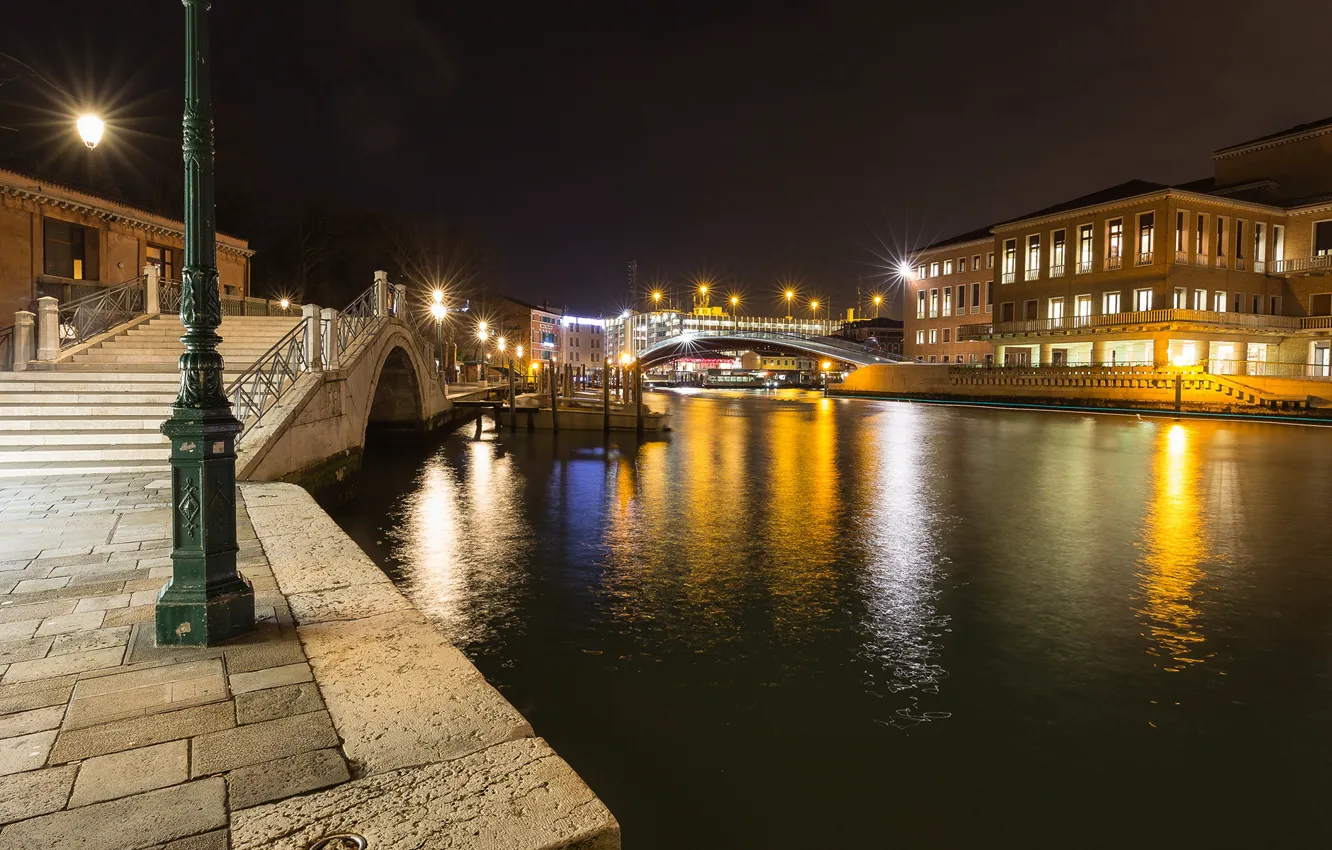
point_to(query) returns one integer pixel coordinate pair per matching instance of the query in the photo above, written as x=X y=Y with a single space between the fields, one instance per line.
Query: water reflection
x=1173 y=547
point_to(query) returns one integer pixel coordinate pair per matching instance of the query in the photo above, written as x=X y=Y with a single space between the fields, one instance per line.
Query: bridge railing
x=259 y=387
x=830 y=346
x=84 y=318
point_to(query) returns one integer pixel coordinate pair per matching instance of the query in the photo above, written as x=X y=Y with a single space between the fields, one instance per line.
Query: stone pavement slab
x=36 y=792
x=131 y=772
x=285 y=777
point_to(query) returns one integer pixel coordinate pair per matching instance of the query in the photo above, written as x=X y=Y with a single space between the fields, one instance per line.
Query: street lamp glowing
x=285 y=303
x=735 y=300
x=437 y=296
x=814 y=305
x=904 y=269
x=90 y=129
x=520 y=352
x=878 y=299
x=438 y=311
x=702 y=289
x=624 y=359
x=656 y=297
x=827 y=364
x=790 y=293
x=500 y=343
x=481 y=333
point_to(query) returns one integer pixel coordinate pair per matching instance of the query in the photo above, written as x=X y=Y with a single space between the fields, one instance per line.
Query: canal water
x=801 y=622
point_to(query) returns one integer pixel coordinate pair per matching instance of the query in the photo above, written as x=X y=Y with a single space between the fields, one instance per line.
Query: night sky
x=747 y=142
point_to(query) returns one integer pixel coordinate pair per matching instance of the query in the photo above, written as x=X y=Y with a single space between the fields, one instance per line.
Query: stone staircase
x=99 y=410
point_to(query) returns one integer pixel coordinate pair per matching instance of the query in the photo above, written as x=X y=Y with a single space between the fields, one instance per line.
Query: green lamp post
x=206 y=601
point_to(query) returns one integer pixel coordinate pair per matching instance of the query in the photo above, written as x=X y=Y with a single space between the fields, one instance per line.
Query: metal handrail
x=259 y=387
x=359 y=315
x=168 y=296
x=86 y=317
x=7 y=349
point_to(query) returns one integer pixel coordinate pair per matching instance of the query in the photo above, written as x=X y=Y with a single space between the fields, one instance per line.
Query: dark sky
x=747 y=141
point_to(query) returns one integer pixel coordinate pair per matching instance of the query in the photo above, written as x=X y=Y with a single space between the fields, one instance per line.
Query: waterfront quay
x=344 y=711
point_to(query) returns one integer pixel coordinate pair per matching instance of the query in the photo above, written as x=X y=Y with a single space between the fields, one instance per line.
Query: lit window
x=1259 y=247
x=1057 y=249
x=975 y=262
x=1200 y=240
x=934 y=269
x=920 y=304
x=1278 y=245
x=1239 y=242
x=948 y=301
x=1181 y=298
x=934 y=336
x=1200 y=299
x=1142 y=300
x=1082 y=306
x=920 y=337
x=975 y=298
x=934 y=303
x=1219 y=301
x=1114 y=243
x=1033 y=256
x=1055 y=312
x=947 y=335
x=1181 y=249
x=1146 y=238
x=1220 y=244
x=1110 y=303
x=961 y=264
x=1084 y=248
x=1322 y=238
x=948 y=267
x=989 y=260
x=920 y=271
x=1010 y=261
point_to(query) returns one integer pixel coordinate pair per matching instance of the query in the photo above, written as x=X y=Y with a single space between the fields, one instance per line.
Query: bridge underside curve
x=397 y=399
x=676 y=349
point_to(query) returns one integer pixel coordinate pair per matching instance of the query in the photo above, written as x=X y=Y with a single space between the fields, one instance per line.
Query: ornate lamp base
x=207 y=600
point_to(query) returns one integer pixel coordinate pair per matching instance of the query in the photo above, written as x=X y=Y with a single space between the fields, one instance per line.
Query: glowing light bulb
x=90 y=129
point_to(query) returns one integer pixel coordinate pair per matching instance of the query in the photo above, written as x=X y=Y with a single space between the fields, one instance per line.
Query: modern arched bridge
x=692 y=344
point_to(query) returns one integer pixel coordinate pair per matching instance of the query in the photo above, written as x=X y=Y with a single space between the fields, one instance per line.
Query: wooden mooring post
x=553 y=380
x=605 y=400
x=638 y=397
x=513 y=412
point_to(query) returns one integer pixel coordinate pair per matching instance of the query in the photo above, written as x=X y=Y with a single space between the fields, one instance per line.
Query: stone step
x=88 y=386
x=25 y=469
x=70 y=454
x=61 y=425
x=88 y=437
x=140 y=411
x=165 y=395
x=126 y=370
x=108 y=359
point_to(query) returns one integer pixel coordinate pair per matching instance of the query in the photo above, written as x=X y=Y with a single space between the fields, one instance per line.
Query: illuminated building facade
x=583 y=342
x=1233 y=271
x=632 y=332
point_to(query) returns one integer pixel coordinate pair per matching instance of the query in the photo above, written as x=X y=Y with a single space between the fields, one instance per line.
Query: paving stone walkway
x=107 y=741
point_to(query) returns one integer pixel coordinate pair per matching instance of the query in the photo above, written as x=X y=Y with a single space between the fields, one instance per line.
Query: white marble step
x=88 y=437
x=22 y=469
x=39 y=425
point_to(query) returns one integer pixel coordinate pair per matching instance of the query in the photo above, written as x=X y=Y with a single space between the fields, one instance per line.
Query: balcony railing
x=1114 y=262
x=1201 y=260
x=1140 y=317
x=1032 y=273
x=1302 y=264
x=1260 y=266
x=1057 y=271
x=1181 y=258
x=1084 y=266
x=1144 y=258
x=1008 y=277
x=1220 y=261
x=1316 y=322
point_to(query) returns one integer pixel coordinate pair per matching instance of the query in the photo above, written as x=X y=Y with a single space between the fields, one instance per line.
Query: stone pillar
x=1160 y=353
x=1241 y=358
x=1047 y=354
x=330 y=331
x=314 y=349
x=1099 y=354
x=400 y=300
x=48 y=328
x=999 y=354
x=381 y=293
x=152 y=280
x=25 y=345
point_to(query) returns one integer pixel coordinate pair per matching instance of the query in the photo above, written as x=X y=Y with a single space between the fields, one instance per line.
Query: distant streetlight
x=285 y=303
x=878 y=300
x=89 y=125
x=481 y=330
x=500 y=344
x=656 y=297
x=735 y=304
x=814 y=308
x=438 y=311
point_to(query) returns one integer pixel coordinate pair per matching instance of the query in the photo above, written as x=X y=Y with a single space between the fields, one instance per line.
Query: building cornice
x=1137 y=200
x=25 y=188
x=1271 y=143
x=951 y=247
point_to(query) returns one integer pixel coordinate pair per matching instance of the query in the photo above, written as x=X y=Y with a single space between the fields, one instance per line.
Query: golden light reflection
x=1173 y=546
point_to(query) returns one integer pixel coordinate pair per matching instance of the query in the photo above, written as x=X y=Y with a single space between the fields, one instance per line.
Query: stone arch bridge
x=765 y=342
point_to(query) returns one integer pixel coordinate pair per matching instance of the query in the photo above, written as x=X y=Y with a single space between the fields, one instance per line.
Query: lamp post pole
x=206 y=601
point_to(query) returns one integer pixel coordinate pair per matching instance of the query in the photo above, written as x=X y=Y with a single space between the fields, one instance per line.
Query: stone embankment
x=345 y=711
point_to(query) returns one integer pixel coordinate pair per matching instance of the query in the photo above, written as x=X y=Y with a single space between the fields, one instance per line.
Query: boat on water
x=583 y=412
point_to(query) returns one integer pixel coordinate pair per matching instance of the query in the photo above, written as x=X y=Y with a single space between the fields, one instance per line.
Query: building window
x=1238 y=300
x=1030 y=310
x=1006 y=311
x=1276 y=305
x=961 y=299
x=933 y=359
x=989 y=296
x=1239 y=243
x=1009 y=273
x=165 y=260
x=947 y=335
x=1259 y=247
x=1257 y=304
x=70 y=250
x=1278 y=245
x=934 y=336
x=1110 y=303
x=1057 y=250
x=1033 y=257
x=1181 y=243
x=1219 y=301
x=1181 y=301
x=934 y=303
x=975 y=298
x=1322 y=242
x=1220 y=244
x=920 y=304
x=1142 y=300
x=948 y=267
x=989 y=260
x=961 y=264
x=1055 y=312
x=1200 y=299
x=920 y=272
x=975 y=262
x=1200 y=240
x=920 y=337
x=948 y=301
x=1084 y=248
x=934 y=269
x=1114 y=243
x=1082 y=306
x=1146 y=238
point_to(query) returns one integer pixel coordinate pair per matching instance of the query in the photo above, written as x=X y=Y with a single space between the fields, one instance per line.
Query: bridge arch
x=820 y=348
x=395 y=401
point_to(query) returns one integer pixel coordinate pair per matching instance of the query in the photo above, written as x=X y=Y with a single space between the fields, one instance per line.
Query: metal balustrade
x=358 y=317
x=263 y=384
x=1256 y=321
x=1144 y=258
x=84 y=318
x=1114 y=262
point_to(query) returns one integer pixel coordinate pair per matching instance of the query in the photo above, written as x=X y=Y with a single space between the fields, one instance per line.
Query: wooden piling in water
x=638 y=396
x=513 y=412
x=605 y=400
x=552 y=378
